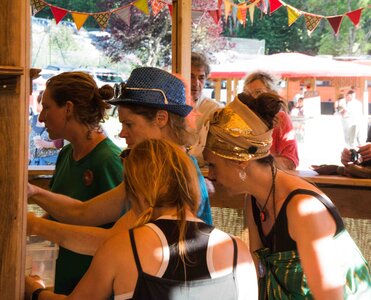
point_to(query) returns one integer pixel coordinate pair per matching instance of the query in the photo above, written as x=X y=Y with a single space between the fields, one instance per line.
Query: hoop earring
x=242 y=175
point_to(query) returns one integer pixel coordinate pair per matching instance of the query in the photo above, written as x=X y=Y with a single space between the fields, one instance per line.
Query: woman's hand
x=346 y=156
x=33 y=282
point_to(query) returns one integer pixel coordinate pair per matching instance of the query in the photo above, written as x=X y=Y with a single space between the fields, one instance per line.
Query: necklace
x=263 y=216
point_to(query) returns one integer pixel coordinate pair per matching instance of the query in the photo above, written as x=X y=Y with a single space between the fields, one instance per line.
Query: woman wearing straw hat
x=170 y=253
x=152 y=104
x=302 y=248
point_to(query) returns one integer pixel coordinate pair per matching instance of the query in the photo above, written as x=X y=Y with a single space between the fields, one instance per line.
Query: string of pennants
x=236 y=11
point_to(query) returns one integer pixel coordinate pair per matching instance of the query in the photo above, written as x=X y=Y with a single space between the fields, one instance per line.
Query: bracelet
x=36 y=293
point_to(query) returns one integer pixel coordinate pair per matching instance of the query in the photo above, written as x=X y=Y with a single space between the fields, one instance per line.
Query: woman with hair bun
x=73 y=107
x=302 y=249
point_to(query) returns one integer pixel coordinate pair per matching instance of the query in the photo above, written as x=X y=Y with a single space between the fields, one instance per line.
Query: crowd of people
x=156 y=239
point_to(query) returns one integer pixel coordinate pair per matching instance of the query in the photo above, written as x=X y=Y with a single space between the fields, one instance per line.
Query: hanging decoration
x=236 y=11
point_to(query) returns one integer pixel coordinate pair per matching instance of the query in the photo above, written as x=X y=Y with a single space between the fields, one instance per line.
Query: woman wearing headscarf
x=302 y=248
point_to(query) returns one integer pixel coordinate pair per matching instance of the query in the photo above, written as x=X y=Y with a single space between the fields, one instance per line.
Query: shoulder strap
x=326 y=202
x=235 y=255
x=135 y=253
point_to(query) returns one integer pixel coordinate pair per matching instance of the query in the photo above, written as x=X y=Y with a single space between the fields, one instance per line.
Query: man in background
x=203 y=107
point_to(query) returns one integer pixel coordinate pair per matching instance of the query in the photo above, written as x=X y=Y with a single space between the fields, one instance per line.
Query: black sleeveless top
x=278 y=239
x=192 y=281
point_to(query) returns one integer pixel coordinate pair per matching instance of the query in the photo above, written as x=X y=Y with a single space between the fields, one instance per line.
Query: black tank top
x=192 y=281
x=278 y=239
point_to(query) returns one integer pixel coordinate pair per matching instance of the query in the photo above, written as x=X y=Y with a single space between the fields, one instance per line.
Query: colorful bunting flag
x=263 y=6
x=355 y=16
x=335 y=23
x=36 y=6
x=142 y=5
x=58 y=13
x=241 y=15
x=227 y=9
x=274 y=5
x=157 y=6
x=79 y=19
x=293 y=14
x=124 y=14
x=215 y=15
x=102 y=19
x=234 y=13
x=251 y=12
x=170 y=7
x=311 y=22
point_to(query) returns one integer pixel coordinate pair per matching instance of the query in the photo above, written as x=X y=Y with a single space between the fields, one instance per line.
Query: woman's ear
x=162 y=118
x=69 y=108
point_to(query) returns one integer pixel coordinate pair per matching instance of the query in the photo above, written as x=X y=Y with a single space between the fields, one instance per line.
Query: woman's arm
x=313 y=227
x=80 y=239
x=102 y=209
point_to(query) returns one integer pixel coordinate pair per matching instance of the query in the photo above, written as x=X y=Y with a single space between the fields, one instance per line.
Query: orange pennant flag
x=79 y=19
x=142 y=5
x=241 y=13
x=157 y=6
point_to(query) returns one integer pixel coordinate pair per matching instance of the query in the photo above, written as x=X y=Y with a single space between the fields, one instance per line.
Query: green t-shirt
x=94 y=174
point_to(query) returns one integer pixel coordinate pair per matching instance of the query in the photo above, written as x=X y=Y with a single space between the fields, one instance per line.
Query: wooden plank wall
x=14 y=91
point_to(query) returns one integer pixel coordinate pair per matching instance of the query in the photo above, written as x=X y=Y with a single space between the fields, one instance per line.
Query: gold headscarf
x=237 y=133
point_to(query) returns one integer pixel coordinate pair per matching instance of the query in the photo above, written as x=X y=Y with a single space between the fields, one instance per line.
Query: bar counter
x=352 y=196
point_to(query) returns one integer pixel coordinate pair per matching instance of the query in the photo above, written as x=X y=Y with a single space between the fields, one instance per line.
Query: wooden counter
x=352 y=196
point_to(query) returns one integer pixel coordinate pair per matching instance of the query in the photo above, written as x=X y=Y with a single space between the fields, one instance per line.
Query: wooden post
x=181 y=38
x=229 y=90
x=14 y=95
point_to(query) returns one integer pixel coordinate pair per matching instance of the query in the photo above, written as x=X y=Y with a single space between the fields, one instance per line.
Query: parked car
x=103 y=76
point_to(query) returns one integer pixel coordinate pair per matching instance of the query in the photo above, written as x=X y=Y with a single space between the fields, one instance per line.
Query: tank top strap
x=235 y=255
x=326 y=202
x=135 y=252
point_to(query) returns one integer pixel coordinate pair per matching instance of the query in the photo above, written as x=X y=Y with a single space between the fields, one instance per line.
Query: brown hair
x=180 y=133
x=200 y=60
x=165 y=176
x=81 y=89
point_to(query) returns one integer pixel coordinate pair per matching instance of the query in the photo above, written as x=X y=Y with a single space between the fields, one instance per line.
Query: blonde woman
x=170 y=253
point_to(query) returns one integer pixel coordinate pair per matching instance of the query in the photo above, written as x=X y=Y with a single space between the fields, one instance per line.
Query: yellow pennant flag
x=227 y=9
x=142 y=5
x=293 y=14
x=79 y=19
x=251 y=12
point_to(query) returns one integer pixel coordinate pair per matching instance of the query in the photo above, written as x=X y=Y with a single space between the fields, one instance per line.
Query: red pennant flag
x=215 y=15
x=274 y=5
x=355 y=16
x=58 y=13
x=335 y=23
x=170 y=6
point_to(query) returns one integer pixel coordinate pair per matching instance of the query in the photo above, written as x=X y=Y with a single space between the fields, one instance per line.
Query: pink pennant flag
x=215 y=15
x=355 y=16
x=58 y=13
x=124 y=14
x=274 y=5
x=335 y=23
x=157 y=6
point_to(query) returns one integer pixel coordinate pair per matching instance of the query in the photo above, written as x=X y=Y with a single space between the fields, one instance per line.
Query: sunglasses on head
x=125 y=153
